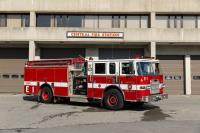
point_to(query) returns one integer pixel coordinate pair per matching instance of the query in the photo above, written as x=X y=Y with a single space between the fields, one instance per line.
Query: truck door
x=112 y=73
x=99 y=78
x=127 y=80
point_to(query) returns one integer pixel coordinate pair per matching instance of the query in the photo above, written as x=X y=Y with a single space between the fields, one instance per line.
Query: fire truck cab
x=112 y=81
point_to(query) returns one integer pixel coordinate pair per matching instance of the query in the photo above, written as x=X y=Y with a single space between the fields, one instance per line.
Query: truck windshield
x=147 y=68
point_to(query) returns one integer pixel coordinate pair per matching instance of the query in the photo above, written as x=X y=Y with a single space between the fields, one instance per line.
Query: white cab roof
x=121 y=60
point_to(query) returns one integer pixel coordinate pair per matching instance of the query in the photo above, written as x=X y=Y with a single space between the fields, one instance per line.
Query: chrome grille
x=155 y=86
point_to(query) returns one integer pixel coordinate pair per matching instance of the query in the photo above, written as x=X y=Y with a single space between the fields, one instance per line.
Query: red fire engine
x=112 y=81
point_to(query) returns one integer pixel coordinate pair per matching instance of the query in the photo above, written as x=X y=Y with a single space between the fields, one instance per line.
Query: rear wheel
x=46 y=95
x=90 y=100
x=113 y=100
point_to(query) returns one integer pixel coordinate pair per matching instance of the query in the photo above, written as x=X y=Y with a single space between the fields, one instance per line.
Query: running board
x=79 y=98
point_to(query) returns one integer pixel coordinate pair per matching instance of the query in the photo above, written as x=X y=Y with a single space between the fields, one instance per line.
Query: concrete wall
x=175 y=49
x=101 y=5
x=133 y=33
x=130 y=35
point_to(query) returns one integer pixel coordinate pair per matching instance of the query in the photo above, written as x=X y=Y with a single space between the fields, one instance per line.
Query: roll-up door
x=12 y=69
x=172 y=67
x=195 y=73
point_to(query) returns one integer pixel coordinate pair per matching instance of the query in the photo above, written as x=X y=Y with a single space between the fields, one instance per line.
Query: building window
x=14 y=20
x=93 y=21
x=105 y=21
x=189 y=22
x=59 y=21
x=43 y=20
x=177 y=21
x=162 y=21
x=62 y=20
x=25 y=20
x=137 y=21
x=74 y=21
x=3 y=21
x=115 y=21
x=171 y=22
x=17 y=20
x=98 y=18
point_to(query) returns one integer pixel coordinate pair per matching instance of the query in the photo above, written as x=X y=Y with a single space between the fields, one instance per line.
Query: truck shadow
x=137 y=107
x=30 y=98
x=96 y=106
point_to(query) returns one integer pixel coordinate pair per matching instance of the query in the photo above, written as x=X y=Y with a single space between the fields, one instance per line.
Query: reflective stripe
x=90 y=85
x=60 y=84
x=56 y=84
x=30 y=83
x=122 y=86
x=103 y=86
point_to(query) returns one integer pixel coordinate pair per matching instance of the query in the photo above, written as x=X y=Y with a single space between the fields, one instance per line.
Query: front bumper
x=154 y=98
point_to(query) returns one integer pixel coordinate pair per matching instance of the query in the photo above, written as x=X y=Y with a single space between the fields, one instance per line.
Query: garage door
x=55 y=53
x=120 y=53
x=173 y=69
x=195 y=72
x=11 y=69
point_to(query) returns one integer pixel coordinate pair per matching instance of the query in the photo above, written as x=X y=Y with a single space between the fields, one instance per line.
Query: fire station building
x=103 y=29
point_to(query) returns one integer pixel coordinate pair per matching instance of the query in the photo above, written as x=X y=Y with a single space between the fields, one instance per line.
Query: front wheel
x=113 y=100
x=46 y=95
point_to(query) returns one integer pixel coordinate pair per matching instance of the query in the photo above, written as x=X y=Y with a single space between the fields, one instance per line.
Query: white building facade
x=103 y=29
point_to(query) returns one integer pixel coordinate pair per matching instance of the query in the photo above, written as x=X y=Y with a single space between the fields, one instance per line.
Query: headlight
x=163 y=86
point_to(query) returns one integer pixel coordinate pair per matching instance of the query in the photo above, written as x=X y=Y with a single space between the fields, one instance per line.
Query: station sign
x=85 y=34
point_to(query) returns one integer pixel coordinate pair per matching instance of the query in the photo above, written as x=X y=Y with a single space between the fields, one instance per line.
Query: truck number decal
x=27 y=88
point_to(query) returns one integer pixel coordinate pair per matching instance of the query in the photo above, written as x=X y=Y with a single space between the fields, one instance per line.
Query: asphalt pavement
x=19 y=113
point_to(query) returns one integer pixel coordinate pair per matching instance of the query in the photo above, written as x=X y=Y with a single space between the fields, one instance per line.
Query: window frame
x=117 y=20
x=5 y=17
x=25 y=19
x=94 y=68
x=109 y=68
x=81 y=22
x=130 y=74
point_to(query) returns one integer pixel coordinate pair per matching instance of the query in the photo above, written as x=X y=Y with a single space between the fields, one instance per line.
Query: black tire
x=113 y=100
x=90 y=100
x=46 y=95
